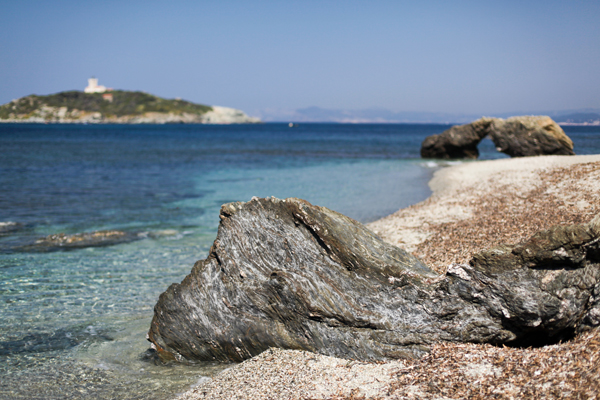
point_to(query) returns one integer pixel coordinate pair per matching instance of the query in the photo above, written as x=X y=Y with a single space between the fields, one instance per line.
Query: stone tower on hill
x=93 y=86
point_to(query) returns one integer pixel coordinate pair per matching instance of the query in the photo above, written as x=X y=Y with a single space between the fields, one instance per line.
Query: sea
x=73 y=323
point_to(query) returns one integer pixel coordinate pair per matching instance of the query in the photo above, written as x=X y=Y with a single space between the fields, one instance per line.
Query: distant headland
x=99 y=104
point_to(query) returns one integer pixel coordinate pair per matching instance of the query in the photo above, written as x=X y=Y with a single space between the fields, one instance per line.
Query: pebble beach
x=474 y=206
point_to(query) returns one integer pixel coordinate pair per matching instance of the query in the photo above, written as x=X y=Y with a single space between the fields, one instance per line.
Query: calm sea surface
x=73 y=323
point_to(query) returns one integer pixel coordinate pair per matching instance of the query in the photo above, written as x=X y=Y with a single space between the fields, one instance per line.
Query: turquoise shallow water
x=73 y=323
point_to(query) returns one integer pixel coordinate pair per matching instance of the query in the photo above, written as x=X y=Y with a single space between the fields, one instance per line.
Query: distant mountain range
x=380 y=115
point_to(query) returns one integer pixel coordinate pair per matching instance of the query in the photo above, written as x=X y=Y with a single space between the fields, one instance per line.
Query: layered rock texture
x=121 y=107
x=287 y=274
x=516 y=136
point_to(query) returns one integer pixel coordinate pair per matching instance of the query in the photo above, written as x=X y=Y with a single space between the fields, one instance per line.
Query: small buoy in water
x=291 y=124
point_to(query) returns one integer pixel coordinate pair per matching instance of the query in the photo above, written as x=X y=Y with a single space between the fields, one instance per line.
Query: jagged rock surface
x=517 y=136
x=530 y=136
x=457 y=142
x=287 y=274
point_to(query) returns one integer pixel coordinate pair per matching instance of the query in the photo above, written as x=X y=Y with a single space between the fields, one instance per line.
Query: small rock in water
x=62 y=241
x=163 y=233
x=9 y=227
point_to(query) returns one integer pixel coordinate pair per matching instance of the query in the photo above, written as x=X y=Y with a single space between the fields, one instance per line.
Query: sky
x=424 y=56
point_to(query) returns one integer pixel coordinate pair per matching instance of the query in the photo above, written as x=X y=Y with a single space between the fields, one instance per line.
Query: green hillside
x=123 y=103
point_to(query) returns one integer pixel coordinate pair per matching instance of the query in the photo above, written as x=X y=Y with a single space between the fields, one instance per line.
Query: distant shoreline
x=124 y=123
x=595 y=123
x=252 y=120
x=116 y=106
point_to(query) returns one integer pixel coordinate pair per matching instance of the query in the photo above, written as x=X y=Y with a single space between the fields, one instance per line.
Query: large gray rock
x=287 y=274
x=457 y=142
x=515 y=136
x=530 y=136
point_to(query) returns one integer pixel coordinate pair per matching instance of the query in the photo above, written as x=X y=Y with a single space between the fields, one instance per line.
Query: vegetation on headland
x=122 y=103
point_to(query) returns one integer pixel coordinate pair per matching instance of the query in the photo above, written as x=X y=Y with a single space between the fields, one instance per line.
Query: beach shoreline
x=474 y=205
x=508 y=185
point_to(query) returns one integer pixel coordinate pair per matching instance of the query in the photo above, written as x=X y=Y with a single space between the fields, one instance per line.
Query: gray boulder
x=515 y=136
x=530 y=136
x=287 y=274
x=457 y=142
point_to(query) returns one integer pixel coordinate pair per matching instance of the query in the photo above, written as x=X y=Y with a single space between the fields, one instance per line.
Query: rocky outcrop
x=457 y=142
x=225 y=115
x=59 y=339
x=530 y=136
x=516 y=136
x=219 y=115
x=287 y=274
x=62 y=241
x=116 y=107
x=9 y=227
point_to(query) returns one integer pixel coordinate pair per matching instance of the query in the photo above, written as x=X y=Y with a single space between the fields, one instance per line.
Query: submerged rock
x=60 y=339
x=516 y=136
x=8 y=227
x=457 y=142
x=287 y=274
x=530 y=136
x=62 y=241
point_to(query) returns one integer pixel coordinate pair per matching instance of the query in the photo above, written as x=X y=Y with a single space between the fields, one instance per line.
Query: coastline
x=474 y=205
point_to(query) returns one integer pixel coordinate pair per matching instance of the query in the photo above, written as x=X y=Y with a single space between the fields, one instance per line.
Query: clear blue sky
x=447 y=56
